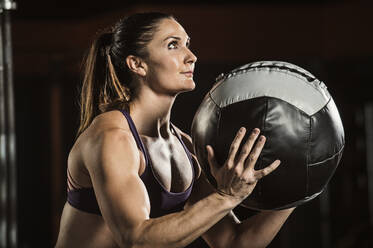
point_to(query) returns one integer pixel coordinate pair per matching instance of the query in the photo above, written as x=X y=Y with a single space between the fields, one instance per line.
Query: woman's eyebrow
x=176 y=38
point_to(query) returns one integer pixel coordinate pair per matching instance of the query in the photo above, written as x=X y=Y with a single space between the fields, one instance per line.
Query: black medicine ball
x=296 y=113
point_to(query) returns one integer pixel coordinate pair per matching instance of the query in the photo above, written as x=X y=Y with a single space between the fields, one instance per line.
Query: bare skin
x=106 y=157
x=80 y=229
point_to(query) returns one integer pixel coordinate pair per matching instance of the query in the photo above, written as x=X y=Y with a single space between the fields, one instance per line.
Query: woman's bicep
x=120 y=193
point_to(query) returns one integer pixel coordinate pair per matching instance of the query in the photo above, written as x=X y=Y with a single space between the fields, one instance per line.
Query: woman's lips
x=188 y=73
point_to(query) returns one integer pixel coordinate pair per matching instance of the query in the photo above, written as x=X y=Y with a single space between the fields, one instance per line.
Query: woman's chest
x=170 y=163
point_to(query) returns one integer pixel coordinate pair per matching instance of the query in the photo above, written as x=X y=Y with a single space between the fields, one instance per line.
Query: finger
x=245 y=151
x=267 y=170
x=235 y=145
x=254 y=154
x=211 y=157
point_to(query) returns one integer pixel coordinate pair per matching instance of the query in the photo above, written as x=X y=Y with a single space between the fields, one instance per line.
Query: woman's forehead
x=170 y=28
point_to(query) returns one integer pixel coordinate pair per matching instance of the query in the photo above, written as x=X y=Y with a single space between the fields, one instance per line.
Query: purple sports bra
x=162 y=202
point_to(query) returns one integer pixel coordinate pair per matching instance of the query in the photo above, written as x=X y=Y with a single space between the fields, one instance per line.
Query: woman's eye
x=172 y=45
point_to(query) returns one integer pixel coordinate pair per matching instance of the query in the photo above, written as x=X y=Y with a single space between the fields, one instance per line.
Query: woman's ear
x=136 y=65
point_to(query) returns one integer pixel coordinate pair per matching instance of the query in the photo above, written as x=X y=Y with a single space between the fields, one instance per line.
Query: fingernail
x=242 y=129
x=261 y=138
x=256 y=130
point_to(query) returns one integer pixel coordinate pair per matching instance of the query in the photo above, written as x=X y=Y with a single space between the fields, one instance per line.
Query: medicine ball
x=295 y=112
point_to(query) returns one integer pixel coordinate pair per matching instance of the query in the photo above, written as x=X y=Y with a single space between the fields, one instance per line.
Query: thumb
x=211 y=158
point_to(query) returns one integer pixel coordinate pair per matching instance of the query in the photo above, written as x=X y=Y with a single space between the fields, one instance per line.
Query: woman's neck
x=151 y=114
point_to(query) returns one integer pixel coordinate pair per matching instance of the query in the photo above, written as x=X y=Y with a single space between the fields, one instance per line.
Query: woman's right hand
x=237 y=177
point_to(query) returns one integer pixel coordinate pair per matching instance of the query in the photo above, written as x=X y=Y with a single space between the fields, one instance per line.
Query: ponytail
x=107 y=82
x=101 y=89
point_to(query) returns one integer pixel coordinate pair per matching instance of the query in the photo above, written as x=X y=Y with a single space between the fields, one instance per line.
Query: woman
x=131 y=172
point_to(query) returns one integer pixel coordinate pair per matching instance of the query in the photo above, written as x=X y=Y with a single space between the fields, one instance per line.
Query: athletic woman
x=133 y=180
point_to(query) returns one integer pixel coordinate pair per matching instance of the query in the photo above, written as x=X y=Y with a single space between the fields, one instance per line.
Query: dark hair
x=107 y=81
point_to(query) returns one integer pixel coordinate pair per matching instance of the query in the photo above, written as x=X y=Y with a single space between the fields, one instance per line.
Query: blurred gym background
x=331 y=39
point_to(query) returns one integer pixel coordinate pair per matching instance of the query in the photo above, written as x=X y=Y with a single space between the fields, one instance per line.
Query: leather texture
x=280 y=80
x=309 y=146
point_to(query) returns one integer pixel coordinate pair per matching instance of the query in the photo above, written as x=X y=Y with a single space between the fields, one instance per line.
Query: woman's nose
x=190 y=57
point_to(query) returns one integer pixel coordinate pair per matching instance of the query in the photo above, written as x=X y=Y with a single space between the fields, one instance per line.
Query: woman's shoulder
x=107 y=132
x=108 y=123
x=108 y=128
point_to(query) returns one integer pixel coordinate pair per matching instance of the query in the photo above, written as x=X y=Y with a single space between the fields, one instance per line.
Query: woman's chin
x=186 y=87
x=190 y=85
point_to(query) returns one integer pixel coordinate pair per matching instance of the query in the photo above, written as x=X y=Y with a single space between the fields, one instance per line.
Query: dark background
x=331 y=39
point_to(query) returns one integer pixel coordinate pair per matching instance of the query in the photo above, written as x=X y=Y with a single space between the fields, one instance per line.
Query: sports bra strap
x=140 y=144
x=136 y=135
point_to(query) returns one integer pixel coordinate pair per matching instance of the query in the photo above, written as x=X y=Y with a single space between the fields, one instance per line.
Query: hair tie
x=106 y=42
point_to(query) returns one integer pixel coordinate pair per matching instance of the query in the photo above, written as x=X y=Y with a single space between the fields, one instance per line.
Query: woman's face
x=170 y=63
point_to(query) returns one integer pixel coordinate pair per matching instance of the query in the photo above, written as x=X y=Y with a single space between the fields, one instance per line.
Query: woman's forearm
x=260 y=229
x=181 y=228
